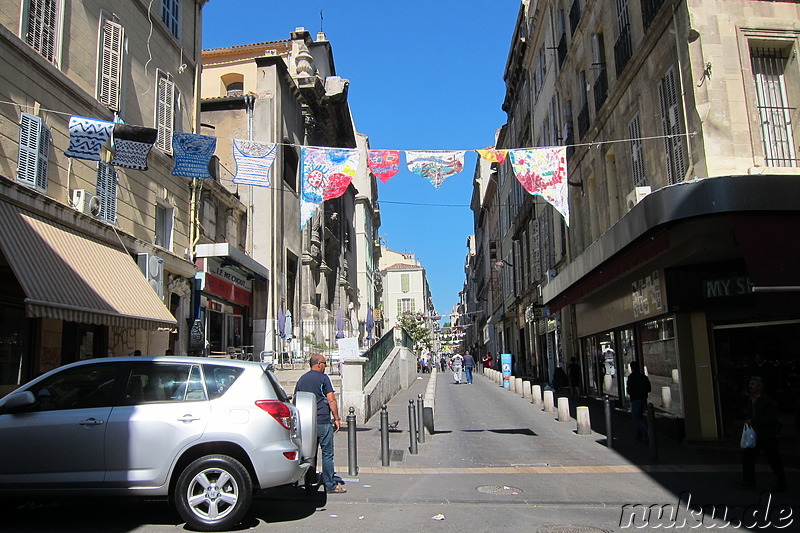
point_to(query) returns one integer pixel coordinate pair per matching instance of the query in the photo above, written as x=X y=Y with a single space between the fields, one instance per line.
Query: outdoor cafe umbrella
x=370 y=323
x=281 y=322
x=288 y=325
x=340 y=325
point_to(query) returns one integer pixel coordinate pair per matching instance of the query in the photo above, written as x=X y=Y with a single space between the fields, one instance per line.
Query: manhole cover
x=499 y=489
x=570 y=529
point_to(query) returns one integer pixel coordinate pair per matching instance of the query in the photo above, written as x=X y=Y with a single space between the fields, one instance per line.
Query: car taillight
x=290 y=455
x=279 y=411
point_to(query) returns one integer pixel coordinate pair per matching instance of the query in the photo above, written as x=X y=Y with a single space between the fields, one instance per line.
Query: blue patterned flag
x=253 y=162
x=192 y=154
x=132 y=145
x=87 y=136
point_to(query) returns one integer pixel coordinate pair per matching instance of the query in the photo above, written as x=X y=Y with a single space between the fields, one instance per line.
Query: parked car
x=204 y=432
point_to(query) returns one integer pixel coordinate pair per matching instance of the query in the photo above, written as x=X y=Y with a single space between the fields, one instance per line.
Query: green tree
x=417 y=326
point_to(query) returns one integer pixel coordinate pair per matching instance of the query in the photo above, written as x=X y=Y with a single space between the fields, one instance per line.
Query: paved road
x=494 y=462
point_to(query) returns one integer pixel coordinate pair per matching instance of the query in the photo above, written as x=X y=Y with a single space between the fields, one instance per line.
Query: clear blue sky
x=424 y=75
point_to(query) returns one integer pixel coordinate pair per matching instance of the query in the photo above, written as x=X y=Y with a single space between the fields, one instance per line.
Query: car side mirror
x=18 y=400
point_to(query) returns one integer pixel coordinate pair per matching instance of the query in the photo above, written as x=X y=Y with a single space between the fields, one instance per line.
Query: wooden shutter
x=34 y=146
x=111 y=40
x=637 y=154
x=405 y=283
x=107 y=191
x=671 y=125
x=165 y=114
x=41 y=28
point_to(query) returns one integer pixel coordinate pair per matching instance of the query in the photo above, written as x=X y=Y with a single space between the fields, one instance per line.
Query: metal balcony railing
x=623 y=49
x=650 y=9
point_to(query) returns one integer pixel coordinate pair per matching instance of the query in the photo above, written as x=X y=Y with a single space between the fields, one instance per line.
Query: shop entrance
x=735 y=349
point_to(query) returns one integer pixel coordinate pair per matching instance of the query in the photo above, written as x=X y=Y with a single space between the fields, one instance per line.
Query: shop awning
x=70 y=276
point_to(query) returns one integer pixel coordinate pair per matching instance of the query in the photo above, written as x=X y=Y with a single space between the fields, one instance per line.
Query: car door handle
x=188 y=418
x=91 y=422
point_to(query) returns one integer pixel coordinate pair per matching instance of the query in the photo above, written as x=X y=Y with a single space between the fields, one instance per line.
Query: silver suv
x=205 y=432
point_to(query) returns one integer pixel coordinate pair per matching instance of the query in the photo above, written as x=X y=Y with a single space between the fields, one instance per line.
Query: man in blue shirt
x=318 y=383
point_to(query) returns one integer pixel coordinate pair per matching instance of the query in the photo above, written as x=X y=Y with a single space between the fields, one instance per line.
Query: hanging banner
x=87 y=136
x=435 y=166
x=132 y=145
x=384 y=163
x=492 y=155
x=325 y=174
x=505 y=364
x=253 y=162
x=192 y=154
x=543 y=171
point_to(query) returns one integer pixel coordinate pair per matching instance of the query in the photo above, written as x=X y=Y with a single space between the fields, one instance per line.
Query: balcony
x=600 y=89
x=650 y=9
x=623 y=49
x=583 y=121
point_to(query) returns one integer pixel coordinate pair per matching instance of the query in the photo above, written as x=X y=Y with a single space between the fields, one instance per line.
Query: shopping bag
x=748 y=437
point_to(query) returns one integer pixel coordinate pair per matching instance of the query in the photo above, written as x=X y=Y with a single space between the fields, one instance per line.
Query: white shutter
x=165 y=114
x=34 y=145
x=111 y=40
x=41 y=27
x=107 y=191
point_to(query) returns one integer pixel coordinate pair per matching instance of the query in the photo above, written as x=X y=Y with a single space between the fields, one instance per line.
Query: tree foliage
x=417 y=326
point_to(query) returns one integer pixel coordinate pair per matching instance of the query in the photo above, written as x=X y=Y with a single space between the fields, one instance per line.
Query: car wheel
x=213 y=493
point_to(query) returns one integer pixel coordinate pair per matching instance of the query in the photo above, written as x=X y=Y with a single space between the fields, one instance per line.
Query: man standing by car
x=318 y=383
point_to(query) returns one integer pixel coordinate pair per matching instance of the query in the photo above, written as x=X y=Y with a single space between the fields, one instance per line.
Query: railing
x=623 y=49
x=381 y=350
x=650 y=9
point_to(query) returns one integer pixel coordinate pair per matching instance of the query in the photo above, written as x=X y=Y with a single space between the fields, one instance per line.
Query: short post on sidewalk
x=352 y=446
x=651 y=432
x=384 y=436
x=584 y=422
x=412 y=427
x=420 y=422
x=609 y=433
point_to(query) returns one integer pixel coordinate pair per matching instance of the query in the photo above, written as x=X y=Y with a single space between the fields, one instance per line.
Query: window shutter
x=34 y=145
x=637 y=154
x=413 y=306
x=41 y=29
x=404 y=283
x=107 y=191
x=165 y=114
x=399 y=307
x=110 y=64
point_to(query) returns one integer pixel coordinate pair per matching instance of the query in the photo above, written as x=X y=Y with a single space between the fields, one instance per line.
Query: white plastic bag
x=748 y=437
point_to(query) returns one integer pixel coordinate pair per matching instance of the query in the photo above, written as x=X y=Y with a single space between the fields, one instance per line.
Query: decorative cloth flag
x=543 y=171
x=492 y=155
x=384 y=163
x=132 y=145
x=87 y=136
x=435 y=166
x=192 y=154
x=253 y=161
x=325 y=174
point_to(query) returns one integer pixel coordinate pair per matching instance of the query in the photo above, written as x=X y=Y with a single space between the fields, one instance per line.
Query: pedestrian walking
x=469 y=366
x=457 y=363
x=574 y=372
x=638 y=386
x=442 y=362
x=762 y=416
x=328 y=422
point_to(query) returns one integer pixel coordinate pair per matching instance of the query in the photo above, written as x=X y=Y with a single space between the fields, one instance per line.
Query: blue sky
x=424 y=75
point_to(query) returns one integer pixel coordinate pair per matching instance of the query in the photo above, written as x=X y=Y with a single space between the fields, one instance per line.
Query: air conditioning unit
x=86 y=203
x=636 y=196
x=152 y=267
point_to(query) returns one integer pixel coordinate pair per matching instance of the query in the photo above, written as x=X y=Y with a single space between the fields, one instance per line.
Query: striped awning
x=71 y=276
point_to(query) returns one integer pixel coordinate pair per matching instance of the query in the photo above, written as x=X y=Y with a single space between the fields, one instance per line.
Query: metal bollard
x=384 y=436
x=412 y=427
x=609 y=433
x=651 y=432
x=420 y=422
x=352 y=446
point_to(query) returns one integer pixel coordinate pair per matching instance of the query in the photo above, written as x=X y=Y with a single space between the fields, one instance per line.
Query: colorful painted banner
x=192 y=154
x=325 y=174
x=87 y=136
x=253 y=162
x=132 y=145
x=384 y=163
x=543 y=171
x=492 y=155
x=435 y=166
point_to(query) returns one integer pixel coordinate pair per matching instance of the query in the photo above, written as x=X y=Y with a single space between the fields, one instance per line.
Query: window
x=290 y=163
x=109 y=70
x=41 y=27
x=405 y=305
x=774 y=111
x=209 y=219
x=83 y=387
x=405 y=282
x=34 y=149
x=637 y=153
x=107 y=191
x=671 y=127
x=164 y=222
x=167 y=101
x=171 y=15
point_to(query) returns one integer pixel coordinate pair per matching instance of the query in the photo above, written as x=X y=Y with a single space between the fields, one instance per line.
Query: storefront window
x=14 y=346
x=601 y=360
x=660 y=363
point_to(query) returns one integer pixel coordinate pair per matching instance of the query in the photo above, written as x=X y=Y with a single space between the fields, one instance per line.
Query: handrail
x=378 y=353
